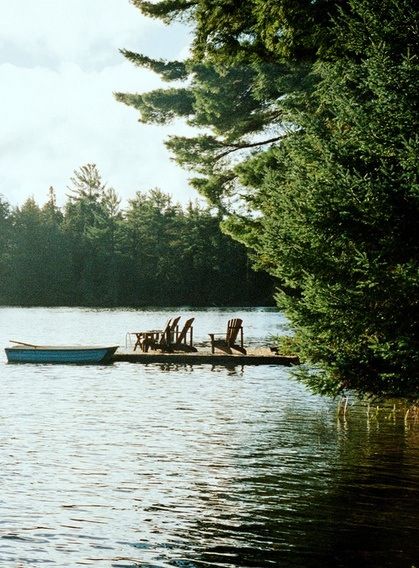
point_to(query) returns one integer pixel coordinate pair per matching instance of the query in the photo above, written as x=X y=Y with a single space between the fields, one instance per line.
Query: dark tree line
x=308 y=145
x=92 y=253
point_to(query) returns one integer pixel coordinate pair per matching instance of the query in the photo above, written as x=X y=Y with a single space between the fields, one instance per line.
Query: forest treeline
x=92 y=253
x=304 y=114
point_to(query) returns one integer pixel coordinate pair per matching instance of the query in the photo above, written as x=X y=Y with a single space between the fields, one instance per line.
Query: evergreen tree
x=91 y=218
x=308 y=142
x=57 y=277
x=29 y=255
x=5 y=247
x=151 y=249
x=341 y=206
x=249 y=62
x=91 y=253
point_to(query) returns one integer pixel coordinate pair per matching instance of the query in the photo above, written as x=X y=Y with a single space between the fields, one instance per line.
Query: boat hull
x=60 y=355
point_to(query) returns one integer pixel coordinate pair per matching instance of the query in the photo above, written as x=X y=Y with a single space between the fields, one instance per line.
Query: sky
x=59 y=67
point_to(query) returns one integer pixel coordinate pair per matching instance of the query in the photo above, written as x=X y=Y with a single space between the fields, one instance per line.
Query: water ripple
x=143 y=466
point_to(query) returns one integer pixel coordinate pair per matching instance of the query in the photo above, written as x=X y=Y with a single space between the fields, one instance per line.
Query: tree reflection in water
x=351 y=503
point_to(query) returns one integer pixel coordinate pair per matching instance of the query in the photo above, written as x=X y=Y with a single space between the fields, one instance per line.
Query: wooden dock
x=205 y=357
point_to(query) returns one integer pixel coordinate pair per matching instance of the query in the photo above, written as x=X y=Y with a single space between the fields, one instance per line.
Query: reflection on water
x=159 y=466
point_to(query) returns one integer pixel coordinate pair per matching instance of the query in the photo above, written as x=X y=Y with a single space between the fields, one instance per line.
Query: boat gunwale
x=61 y=347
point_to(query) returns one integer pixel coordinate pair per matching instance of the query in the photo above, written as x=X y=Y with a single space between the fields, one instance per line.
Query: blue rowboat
x=27 y=353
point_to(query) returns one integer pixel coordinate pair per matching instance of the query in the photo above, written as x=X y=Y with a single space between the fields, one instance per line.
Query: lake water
x=157 y=466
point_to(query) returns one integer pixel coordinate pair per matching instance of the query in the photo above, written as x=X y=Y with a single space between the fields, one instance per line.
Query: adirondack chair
x=228 y=340
x=181 y=341
x=153 y=338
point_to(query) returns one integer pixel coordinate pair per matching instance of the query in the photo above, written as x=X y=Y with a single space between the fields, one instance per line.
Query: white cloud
x=70 y=30
x=58 y=111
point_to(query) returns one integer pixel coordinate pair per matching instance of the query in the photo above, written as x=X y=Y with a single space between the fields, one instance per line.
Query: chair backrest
x=167 y=325
x=169 y=330
x=186 y=327
x=233 y=328
x=173 y=323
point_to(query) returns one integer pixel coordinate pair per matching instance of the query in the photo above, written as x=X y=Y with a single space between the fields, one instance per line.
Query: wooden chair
x=228 y=341
x=181 y=341
x=168 y=335
x=154 y=338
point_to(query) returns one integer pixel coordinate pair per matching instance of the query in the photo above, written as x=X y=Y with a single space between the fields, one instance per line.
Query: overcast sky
x=59 y=67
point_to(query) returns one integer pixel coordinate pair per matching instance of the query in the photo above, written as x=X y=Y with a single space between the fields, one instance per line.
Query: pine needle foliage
x=308 y=146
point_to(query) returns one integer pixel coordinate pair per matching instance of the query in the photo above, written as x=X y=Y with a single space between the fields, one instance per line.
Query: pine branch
x=168 y=70
x=236 y=147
